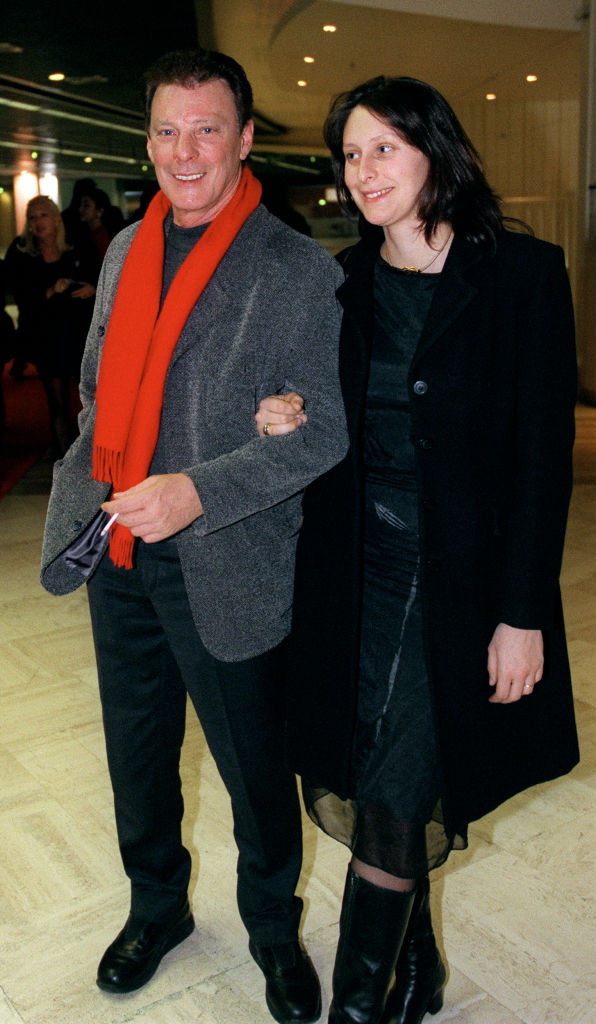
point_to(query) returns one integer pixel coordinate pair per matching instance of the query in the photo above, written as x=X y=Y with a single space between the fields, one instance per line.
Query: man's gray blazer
x=267 y=322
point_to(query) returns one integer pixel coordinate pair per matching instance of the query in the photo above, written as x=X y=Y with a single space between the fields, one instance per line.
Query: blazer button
x=424 y=442
x=420 y=387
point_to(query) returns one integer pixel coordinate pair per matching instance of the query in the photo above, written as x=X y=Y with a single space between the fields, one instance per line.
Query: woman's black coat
x=492 y=390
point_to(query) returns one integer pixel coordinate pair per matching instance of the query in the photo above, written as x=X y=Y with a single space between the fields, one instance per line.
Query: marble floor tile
x=514 y=914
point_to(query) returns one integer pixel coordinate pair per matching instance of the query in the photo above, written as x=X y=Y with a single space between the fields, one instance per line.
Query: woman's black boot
x=420 y=973
x=372 y=926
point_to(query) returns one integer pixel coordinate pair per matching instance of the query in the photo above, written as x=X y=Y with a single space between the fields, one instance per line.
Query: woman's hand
x=58 y=287
x=280 y=414
x=84 y=291
x=515 y=662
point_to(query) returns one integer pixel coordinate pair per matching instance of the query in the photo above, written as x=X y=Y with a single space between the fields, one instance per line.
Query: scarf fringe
x=121 y=546
x=107 y=465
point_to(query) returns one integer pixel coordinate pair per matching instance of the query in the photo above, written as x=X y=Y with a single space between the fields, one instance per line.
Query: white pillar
x=48 y=186
x=25 y=185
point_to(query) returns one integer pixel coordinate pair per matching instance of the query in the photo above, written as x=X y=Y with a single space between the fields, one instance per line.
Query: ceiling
x=96 y=110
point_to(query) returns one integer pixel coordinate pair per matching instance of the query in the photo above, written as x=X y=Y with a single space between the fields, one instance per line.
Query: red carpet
x=26 y=434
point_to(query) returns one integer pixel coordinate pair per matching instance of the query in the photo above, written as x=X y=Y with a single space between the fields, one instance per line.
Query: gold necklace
x=419 y=270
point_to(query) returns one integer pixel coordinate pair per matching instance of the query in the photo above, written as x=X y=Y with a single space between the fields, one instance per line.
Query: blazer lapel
x=228 y=289
x=201 y=319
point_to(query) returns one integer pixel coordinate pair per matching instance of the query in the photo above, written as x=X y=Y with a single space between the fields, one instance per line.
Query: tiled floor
x=515 y=913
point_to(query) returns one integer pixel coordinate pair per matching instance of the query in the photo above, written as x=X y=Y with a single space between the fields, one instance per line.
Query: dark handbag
x=86 y=551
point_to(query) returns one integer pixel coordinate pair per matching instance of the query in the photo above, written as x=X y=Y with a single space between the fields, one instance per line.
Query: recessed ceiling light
x=491 y=96
x=329 y=28
x=309 y=60
x=301 y=83
x=531 y=78
x=57 y=76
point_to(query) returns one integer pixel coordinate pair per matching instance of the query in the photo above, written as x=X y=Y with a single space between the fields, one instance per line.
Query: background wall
x=530 y=153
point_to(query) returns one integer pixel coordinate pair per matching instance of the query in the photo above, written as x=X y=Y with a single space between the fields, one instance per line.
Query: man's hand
x=158 y=507
x=515 y=662
x=280 y=414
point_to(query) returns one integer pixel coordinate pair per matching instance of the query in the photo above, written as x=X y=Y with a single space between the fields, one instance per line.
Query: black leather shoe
x=135 y=953
x=293 y=992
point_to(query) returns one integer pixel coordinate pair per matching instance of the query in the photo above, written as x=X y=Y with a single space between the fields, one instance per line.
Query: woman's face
x=383 y=173
x=88 y=211
x=42 y=221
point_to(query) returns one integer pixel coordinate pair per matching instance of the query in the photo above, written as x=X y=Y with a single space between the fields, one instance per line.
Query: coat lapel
x=458 y=286
x=356 y=298
x=356 y=293
x=456 y=290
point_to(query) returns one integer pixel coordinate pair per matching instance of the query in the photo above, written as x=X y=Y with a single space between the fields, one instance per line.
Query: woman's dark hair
x=456 y=189
x=99 y=197
x=194 y=67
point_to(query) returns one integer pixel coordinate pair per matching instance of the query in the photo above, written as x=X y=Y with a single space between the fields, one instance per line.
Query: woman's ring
x=266 y=429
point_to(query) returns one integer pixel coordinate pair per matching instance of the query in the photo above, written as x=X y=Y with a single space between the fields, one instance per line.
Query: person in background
x=72 y=214
x=92 y=212
x=206 y=297
x=428 y=564
x=147 y=194
x=7 y=342
x=276 y=198
x=100 y=222
x=53 y=286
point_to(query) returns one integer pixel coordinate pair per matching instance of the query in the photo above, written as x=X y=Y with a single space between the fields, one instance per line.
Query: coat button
x=101 y=330
x=420 y=387
x=424 y=442
x=434 y=564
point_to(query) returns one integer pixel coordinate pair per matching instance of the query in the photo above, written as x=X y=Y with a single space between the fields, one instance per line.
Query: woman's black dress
x=395 y=749
x=51 y=332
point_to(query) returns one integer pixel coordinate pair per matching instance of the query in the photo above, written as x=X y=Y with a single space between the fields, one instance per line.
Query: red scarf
x=141 y=339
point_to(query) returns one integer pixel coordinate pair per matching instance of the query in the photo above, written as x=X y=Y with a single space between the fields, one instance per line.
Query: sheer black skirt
x=394 y=821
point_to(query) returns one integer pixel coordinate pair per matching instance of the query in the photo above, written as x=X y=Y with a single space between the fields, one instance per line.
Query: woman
x=91 y=212
x=101 y=221
x=52 y=288
x=429 y=559
x=7 y=346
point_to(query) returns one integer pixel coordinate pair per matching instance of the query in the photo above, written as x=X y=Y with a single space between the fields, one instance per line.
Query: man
x=195 y=594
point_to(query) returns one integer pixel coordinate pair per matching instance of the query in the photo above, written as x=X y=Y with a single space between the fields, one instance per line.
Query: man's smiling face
x=197 y=148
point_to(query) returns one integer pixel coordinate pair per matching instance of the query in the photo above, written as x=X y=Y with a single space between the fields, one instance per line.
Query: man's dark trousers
x=149 y=656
